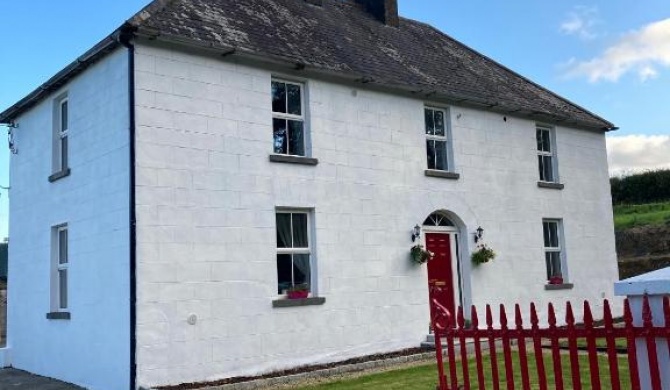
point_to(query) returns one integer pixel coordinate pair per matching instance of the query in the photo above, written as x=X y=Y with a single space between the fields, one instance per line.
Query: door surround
x=455 y=233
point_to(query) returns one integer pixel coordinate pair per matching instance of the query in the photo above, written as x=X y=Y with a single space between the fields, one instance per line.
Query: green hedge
x=641 y=188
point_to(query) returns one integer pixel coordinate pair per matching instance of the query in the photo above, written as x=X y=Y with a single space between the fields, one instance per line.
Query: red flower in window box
x=298 y=292
x=556 y=280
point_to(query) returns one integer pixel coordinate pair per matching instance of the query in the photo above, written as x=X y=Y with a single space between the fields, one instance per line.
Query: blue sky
x=610 y=56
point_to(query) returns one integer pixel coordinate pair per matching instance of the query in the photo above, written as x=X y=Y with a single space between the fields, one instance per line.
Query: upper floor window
x=288 y=118
x=293 y=250
x=61 y=127
x=438 y=142
x=546 y=154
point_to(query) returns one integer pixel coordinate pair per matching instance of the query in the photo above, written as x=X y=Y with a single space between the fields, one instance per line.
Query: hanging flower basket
x=420 y=255
x=483 y=254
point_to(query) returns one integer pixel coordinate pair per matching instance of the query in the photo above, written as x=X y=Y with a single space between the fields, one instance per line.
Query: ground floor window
x=294 y=255
x=59 y=264
x=553 y=248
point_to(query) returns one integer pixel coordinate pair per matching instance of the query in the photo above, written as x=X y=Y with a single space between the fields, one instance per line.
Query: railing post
x=440 y=321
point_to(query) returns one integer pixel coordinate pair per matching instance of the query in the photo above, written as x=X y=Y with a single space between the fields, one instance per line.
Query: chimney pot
x=385 y=11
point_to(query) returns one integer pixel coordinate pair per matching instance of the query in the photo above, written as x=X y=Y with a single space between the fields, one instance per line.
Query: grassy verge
x=627 y=216
x=600 y=343
x=425 y=377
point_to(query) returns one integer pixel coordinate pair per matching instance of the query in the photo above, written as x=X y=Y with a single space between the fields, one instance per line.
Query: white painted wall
x=91 y=349
x=206 y=200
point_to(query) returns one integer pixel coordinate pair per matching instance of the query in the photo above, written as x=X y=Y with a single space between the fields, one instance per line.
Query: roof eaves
x=354 y=78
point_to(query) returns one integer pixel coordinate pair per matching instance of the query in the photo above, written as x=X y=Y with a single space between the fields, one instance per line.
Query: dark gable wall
x=3 y=260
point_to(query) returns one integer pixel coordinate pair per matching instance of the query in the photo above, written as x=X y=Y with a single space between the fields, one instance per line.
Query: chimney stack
x=385 y=11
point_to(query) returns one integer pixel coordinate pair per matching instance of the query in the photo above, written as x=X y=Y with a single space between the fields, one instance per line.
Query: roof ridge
x=507 y=69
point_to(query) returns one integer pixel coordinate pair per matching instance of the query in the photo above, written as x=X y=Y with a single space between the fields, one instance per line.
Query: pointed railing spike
x=489 y=317
x=517 y=317
x=474 y=319
x=569 y=315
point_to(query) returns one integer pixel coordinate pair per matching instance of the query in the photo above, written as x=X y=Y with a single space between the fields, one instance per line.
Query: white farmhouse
x=174 y=184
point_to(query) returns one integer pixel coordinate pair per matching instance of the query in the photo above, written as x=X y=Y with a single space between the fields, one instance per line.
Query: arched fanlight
x=439 y=220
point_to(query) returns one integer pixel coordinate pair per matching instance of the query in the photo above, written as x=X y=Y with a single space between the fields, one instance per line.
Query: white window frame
x=561 y=246
x=551 y=153
x=61 y=160
x=300 y=251
x=286 y=116
x=57 y=266
x=446 y=137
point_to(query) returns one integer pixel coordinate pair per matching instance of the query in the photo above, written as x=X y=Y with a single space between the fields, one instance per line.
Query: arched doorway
x=441 y=238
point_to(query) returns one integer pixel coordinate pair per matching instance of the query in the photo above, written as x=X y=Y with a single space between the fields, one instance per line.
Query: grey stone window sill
x=58 y=315
x=279 y=303
x=442 y=174
x=59 y=175
x=283 y=158
x=563 y=286
x=553 y=186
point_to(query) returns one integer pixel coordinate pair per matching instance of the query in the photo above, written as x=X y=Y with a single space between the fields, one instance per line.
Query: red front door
x=440 y=273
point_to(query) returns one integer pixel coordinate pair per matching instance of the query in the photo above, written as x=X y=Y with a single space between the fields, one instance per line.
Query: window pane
x=62 y=288
x=430 y=145
x=439 y=123
x=62 y=247
x=296 y=138
x=294 y=105
x=553 y=235
x=546 y=168
x=301 y=269
x=284 y=270
x=553 y=260
x=546 y=141
x=430 y=123
x=64 y=116
x=63 y=152
x=543 y=140
x=441 y=155
x=279 y=133
x=300 y=231
x=278 y=97
x=551 y=239
x=284 y=231
x=545 y=229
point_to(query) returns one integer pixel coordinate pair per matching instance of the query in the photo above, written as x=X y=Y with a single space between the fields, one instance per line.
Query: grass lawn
x=600 y=343
x=425 y=377
x=627 y=216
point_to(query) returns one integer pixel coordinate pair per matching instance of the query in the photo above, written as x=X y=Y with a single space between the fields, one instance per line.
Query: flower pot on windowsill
x=299 y=294
x=556 y=280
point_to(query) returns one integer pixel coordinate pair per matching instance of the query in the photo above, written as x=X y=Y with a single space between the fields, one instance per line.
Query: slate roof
x=340 y=39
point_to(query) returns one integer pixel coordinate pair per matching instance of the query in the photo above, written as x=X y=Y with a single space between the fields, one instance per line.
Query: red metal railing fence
x=548 y=343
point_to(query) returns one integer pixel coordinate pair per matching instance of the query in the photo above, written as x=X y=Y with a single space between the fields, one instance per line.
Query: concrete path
x=11 y=379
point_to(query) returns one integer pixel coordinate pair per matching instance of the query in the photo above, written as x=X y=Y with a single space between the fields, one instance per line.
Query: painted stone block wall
x=207 y=195
x=92 y=349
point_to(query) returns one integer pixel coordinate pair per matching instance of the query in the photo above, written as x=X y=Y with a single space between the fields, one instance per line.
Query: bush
x=641 y=188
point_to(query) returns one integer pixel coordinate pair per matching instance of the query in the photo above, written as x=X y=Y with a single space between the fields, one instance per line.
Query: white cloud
x=633 y=153
x=581 y=22
x=642 y=52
